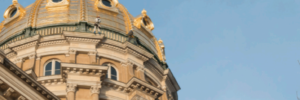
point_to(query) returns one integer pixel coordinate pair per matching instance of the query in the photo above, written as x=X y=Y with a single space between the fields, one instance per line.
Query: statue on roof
x=97 y=25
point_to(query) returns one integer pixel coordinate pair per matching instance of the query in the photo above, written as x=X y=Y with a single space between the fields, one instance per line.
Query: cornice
x=24 y=41
x=132 y=85
x=82 y=35
x=25 y=46
x=27 y=79
x=172 y=78
x=59 y=42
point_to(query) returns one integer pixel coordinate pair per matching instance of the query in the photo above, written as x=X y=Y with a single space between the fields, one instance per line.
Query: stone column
x=71 y=88
x=130 y=71
x=19 y=62
x=37 y=66
x=72 y=56
x=31 y=61
x=95 y=90
x=92 y=56
x=141 y=73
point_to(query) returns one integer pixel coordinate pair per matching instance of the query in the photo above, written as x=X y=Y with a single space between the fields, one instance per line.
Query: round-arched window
x=14 y=12
x=107 y=3
x=111 y=72
x=56 y=1
x=52 y=67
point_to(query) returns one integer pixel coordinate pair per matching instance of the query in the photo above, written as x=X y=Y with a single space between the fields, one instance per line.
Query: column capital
x=95 y=89
x=92 y=53
x=19 y=60
x=38 y=58
x=31 y=56
x=72 y=51
x=140 y=68
x=71 y=87
x=127 y=64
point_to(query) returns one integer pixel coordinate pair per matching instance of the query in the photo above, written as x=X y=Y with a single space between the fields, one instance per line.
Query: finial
x=160 y=41
x=144 y=11
x=15 y=1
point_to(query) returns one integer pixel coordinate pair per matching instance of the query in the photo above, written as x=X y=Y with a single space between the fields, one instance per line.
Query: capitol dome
x=53 y=41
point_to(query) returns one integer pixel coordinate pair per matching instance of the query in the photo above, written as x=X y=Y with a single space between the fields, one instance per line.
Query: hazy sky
x=226 y=49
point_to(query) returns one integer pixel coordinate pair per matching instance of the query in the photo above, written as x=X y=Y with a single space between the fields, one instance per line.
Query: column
x=72 y=56
x=141 y=73
x=19 y=62
x=32 y=61
x=95 y=90
x=130 y=70
x=71 y=88
x=92 y=56
x=37 y=66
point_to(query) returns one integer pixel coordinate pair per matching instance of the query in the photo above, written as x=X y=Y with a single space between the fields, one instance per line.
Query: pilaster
x=37 y=66
x=71 y=88
x=32 y=61
x=95 y=90
x=141 y=73
x=92 y=56
x=72 y=56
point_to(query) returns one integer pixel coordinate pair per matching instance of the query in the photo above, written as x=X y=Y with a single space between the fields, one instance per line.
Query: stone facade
x=60 y=51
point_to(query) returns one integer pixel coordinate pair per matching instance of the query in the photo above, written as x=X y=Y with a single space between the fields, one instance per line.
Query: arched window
x=112 y=72
x=13 y=13
x=52 y=67
x=107 y=3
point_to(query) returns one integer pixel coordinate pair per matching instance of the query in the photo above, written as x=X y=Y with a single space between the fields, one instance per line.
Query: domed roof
x=48 y=17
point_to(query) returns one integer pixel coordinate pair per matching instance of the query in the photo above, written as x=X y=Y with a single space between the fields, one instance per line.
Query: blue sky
x=226 y=49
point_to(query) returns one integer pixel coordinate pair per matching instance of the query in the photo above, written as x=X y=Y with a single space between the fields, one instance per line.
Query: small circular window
x=106 y=3
x=56 y=1
x=13 y=13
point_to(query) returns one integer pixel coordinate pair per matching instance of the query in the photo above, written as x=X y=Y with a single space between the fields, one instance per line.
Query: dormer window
x=146 y=23
x=57 y=5
x=106 y=3
x=13 y=13
x=56 y=1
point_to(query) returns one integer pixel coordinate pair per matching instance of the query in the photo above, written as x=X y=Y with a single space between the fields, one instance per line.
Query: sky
x=226 y=49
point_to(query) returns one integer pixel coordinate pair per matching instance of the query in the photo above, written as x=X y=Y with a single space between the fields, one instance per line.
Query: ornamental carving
x=137 y=97
x=22 y=47
x=95 y=89
x=71 y=87
x=144 y=20
x=8 y=92
x=82 y=40
x=53 y=43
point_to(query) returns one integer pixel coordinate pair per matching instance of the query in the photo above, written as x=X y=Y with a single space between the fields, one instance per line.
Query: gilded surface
x=52 y=6
x=128 y=24
x=44 y=13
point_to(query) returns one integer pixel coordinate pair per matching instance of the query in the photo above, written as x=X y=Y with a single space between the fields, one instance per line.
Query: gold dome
x=45 y=17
